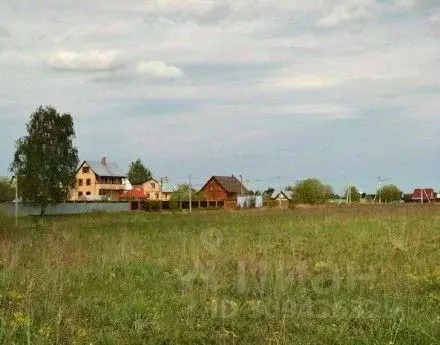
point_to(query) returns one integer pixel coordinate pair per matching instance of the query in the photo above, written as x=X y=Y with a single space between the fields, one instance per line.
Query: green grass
x=331 y=275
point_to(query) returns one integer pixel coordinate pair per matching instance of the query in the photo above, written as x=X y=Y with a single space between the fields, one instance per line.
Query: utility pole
x=241 y=185
x=190 y=194
x=379 y=179
x=348 y=194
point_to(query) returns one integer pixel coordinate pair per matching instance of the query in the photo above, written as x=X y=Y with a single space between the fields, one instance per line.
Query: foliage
x=268 y=192
x=138 y=173
x=311 y=191
x=7 y=190
x=45 y=160
x=355 y=196
x=182 y=194
x=250 y=201
x=389 y=193
x=270 y=203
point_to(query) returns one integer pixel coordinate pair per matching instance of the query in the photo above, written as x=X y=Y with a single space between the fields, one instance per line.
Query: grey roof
x=109 y=169
x=168 y=188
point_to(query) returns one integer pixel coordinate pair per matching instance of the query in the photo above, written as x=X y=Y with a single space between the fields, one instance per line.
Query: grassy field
x=336 y=275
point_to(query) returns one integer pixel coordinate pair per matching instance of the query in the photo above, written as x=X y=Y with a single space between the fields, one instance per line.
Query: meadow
x=323 y=275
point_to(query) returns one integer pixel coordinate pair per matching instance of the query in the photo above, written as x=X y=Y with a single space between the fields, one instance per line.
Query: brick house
x=155 y=190
x=224 y=189
x=98 y=180
x=424 y=194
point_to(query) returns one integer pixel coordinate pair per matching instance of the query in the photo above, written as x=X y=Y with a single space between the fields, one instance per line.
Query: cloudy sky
x=276 y=91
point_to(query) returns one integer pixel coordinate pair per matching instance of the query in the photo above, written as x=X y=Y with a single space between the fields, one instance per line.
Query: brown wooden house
x=224 y=189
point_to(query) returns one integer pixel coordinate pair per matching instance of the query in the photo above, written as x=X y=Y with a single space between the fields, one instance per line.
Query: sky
x=276 y=91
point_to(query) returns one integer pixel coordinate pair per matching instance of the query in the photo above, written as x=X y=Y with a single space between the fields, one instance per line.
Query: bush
x=272 y=203
x=355 y=196
x=6 y=222
x=389 y=193
x=311 y=191
x=7 y=190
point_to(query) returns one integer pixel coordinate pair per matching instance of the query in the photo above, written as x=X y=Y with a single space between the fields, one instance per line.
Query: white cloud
x=408 y=4
x=159 y=70
x=303 y=82
x=350 y=11
x=337 y=111
x=89 y=60
x=4 y=33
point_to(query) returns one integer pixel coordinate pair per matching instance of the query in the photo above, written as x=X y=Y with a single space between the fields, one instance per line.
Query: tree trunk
x=43 y=210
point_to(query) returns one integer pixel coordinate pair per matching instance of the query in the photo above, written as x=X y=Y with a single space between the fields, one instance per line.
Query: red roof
x=134 y=194
x=426 y=193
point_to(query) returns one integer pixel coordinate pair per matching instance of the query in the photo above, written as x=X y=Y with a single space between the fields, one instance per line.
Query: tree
x=7 y=190
x=182 y=194
x=389 y=193
x=311 y=191
x=45 y=160
x=256 y=192
x=138 y=173
x=355 y=196
x=268 y=192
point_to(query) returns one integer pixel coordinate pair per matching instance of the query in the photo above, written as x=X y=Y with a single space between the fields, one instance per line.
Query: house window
x=80 y=182
x=153 y=185
x=157 y=196
x=85 y=170
x=88 y=182
x=80 y=194
x=88 y=193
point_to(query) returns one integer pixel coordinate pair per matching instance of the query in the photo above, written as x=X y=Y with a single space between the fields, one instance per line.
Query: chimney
x=104 y=161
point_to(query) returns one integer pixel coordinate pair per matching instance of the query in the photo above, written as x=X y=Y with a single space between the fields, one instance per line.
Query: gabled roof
x=135 y=193
x=107 y=169
x=230 y=184
x=151 y=179
x=287 y=193
x=425 y=192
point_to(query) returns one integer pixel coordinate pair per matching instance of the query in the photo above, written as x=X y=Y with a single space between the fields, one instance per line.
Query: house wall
x=153 y=191
x=109 y=186
x=213 y=191
x=93 y=189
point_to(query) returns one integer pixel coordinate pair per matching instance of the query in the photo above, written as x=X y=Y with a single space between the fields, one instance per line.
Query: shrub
x=311 y=191
x=272 y=203
x=355 y=196
x=389 y=193
x=7 y=191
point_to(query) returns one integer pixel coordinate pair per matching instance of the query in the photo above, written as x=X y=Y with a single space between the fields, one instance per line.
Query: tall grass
x=334 y=275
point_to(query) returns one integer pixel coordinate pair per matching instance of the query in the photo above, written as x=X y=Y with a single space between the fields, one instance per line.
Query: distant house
x=98 y=180
x=167 y=190
x=223 y=188
x=155 y=190
x=424 y=194
x=282 y=195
